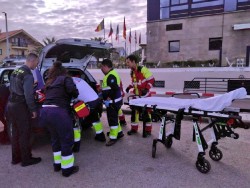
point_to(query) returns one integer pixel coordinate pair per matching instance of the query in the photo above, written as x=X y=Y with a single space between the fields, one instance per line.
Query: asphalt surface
x=128 y=163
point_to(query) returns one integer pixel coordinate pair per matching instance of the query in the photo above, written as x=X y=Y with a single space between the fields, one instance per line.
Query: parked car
x=75 y=55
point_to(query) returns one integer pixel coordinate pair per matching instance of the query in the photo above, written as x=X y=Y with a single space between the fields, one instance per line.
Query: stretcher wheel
x=203 y=166
x=154 y=148
x=236 y=135
x=169 y=142
x=215 y=154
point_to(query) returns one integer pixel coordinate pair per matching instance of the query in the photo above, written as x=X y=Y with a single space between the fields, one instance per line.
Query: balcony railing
x=19 y=44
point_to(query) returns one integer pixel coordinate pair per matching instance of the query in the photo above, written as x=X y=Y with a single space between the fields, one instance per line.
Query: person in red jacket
x=142 y=81
x=121 y=115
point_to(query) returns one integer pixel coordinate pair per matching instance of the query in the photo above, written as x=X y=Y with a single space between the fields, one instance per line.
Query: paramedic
x=56 y=115
x=91 y=99
x=112 y=98
x=142 y=81
x=121 y=115
x=21 y=108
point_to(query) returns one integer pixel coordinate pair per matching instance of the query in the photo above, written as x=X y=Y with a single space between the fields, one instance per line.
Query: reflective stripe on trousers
x=98 y=127
x=113 y=132
x=67 y=161
x=57 y=157
x=77 y=134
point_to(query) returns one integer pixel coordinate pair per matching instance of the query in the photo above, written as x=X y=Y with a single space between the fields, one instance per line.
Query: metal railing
x=215 y=85
x=19 y=44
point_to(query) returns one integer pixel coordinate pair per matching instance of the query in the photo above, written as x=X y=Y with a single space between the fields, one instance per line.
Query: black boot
x=31 y=161
x=111 y=142
x=76 y=147
x=68 y=172
x=57 y=167
x=123 y=123
x=15 y=161
x=132 y=132
x=100 y=137
x=120 y=135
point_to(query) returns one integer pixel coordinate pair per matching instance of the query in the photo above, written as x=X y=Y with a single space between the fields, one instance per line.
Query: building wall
x=194 y=37
x=174 y=77
x=3 y=50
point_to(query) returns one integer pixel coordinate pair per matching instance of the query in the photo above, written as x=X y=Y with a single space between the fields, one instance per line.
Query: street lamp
x=7 y=36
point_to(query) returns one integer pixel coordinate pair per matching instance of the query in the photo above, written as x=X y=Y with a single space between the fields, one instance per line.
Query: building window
x=164 y=9
x=174 y=46
x=172 y=27
x=159 y=83
x=1 y=52
x=177 y=2
x=195 y=1
x=164 y=13
x=164 y=3
x=215 y=43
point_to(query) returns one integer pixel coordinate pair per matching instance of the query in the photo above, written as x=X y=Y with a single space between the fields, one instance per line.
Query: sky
x=76 y=18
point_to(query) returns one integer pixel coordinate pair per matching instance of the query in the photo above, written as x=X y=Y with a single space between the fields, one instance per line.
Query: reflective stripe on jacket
x=142 y=78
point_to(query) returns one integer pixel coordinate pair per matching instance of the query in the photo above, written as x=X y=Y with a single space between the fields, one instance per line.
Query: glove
x=106 y=103
x=144 y=92
x=127 y=89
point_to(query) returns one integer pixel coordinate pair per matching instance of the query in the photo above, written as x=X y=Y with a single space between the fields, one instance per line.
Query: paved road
x=129 y=164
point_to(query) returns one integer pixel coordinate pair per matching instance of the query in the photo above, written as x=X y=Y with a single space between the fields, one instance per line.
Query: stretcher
x=222 y=119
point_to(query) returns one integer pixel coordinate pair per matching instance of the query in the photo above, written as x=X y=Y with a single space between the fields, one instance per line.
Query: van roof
x=84 y=42
x=72 y=50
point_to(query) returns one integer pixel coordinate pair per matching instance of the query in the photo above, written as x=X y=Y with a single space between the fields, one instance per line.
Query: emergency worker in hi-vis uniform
x=112 y=99
x=91 y=99
x=56 y=114
x=142 y=81
x=121 y=115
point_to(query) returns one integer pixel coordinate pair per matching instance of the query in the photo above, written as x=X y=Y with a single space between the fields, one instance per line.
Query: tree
x=38 y=49
x=48 y=40
x=101 y=39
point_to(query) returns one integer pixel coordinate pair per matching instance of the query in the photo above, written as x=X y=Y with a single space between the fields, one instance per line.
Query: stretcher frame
x=217 y=124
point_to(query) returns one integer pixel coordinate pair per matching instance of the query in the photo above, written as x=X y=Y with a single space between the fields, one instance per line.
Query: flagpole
x=104 y=28
x=135 y=41
x=135 y=47
x=125 y=49
x=130 y=40
x=130 y=48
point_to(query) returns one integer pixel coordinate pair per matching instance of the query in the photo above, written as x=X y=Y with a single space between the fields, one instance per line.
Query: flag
x=117 y=33
x=140 y=38
x=129 y=38
x=124 y=29
x=100 y=26
x=111 y=30
x=135 y=38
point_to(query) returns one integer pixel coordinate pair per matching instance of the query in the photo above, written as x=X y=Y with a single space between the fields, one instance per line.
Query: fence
x=216 y=85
